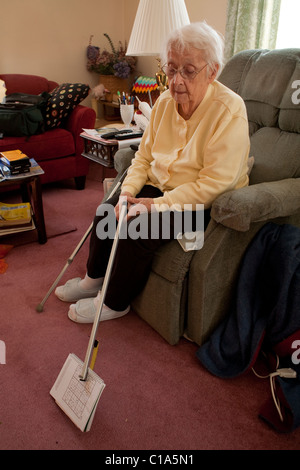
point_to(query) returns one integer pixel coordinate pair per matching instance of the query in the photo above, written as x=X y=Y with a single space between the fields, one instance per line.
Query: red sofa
x=57 y=150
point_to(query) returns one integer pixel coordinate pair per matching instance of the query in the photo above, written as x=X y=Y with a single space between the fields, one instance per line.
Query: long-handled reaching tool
x=40 y=306
x=103 y=293
x=77 y=389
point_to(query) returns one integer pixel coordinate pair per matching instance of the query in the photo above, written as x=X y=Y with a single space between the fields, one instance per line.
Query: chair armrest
x=123 y=158
x=239 y=208
x=80 y=118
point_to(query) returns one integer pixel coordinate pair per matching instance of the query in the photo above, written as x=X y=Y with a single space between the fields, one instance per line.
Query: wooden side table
x=31 y=191
x=103 y=151
x=100 y=151
x=110 y=110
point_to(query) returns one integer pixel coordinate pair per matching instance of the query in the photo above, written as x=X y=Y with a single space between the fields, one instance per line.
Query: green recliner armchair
x=189 y=293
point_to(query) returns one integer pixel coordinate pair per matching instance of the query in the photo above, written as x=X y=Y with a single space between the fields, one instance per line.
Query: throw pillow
x=63 y=99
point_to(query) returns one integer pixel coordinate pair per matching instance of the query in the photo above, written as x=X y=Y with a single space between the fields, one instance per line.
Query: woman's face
x=189 y=92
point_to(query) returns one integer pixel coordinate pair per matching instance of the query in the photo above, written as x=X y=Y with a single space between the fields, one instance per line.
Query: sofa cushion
x=62 y=101
x=52 y=144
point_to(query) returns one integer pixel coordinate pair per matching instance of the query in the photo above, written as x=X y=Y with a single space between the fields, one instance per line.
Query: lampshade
x=154 y=20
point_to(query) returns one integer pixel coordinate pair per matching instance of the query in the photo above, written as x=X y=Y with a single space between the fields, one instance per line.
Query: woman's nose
x=178 y=78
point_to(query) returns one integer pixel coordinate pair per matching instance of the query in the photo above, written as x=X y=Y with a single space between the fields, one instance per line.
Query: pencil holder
x=127 y=112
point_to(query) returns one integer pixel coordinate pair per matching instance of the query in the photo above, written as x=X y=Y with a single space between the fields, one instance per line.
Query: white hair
x=200 y=36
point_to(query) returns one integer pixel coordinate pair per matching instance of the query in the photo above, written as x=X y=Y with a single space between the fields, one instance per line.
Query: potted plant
x=114 y=67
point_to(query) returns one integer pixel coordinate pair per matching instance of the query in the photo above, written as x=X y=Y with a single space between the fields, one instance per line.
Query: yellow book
x=13 y=156
x=15 y=214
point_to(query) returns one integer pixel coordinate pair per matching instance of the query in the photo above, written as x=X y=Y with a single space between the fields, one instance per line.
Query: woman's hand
x=135 y=205
x=139 y=205
x=123 y=198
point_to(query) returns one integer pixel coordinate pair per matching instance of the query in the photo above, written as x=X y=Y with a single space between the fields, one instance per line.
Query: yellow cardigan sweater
x=193 y=161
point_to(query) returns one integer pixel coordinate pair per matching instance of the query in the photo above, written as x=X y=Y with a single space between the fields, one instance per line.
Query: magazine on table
x=15 y=218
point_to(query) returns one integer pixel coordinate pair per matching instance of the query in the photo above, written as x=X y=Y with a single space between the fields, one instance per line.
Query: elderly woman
x=194 y=149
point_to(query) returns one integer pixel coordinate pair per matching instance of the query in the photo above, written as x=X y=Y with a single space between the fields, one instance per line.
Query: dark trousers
x=133 y=257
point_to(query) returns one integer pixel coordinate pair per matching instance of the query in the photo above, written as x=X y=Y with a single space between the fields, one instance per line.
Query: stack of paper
x=77 y=398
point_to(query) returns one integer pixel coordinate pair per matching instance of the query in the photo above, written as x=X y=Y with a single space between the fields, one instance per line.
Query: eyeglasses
x=184 y=72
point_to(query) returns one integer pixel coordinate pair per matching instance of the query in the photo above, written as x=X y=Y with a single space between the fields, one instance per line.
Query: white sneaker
x=84 y=311
x=71 y=291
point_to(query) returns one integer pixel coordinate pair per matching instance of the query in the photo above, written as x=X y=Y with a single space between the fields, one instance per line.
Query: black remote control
x=112 y=135
x=133 y=135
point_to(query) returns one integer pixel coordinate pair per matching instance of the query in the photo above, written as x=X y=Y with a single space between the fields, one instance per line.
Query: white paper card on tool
x=77 y=398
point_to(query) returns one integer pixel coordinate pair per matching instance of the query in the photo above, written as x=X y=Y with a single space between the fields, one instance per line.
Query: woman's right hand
x=122 y=198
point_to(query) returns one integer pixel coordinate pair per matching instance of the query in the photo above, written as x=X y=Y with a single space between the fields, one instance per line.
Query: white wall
x=50 y=37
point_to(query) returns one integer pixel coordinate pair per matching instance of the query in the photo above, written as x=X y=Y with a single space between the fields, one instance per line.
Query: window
x=288 y=29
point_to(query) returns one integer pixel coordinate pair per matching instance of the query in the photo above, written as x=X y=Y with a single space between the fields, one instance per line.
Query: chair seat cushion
x=55 y=143
x=175 y=271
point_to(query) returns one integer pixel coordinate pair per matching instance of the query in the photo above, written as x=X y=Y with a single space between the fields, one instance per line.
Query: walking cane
x=40 y=306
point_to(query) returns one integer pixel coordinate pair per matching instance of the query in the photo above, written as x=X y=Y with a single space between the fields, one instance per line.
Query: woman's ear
x=213 y=72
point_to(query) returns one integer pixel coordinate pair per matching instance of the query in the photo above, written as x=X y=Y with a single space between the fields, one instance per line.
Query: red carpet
x=157 y=396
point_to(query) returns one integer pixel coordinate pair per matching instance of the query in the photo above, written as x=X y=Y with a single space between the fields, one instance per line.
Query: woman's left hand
x=139 y=205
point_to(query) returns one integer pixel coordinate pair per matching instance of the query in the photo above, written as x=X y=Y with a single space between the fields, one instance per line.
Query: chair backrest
x=269 y=83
